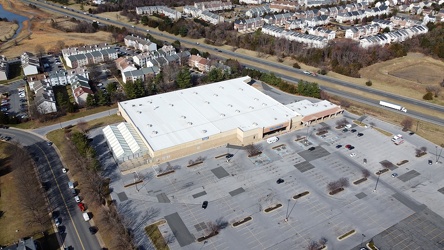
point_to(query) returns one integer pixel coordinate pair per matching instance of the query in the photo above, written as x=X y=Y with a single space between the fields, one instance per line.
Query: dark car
x=353 y=130
x=345 y=130
x=311 y=149
x=205 y=204
x=351 y=147
x=338 y=146
x=93 y=230
x=280 y=180
x=360 y=134
x=430 y=162
x=229 y=156
x=74 y=191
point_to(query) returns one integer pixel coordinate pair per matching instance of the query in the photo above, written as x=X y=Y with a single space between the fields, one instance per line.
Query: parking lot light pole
x=362 y=241
x=377 y=180
x=289 y=212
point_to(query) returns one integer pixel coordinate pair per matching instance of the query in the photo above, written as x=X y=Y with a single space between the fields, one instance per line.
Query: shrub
x=428 y=96
x=368 y=83
x=322 y=71
x=296 y=65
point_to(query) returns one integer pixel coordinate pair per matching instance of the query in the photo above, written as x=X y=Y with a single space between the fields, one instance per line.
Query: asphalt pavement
x=60 y=198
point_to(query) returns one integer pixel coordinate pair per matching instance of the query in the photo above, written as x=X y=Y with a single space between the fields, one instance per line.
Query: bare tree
x=386 y=164
x=345 y=103
x=253 y=149
x=40 y=50
x=83 y=126
x=423 y=149
x=60 y=45
x=323 y=241
x=343 y=182
x=313 y=245
x=365 y=173
x=323 y=129
x=435 y=89
x=341 y=122
x=407 y=124
x=332 y=186
x=324 y=95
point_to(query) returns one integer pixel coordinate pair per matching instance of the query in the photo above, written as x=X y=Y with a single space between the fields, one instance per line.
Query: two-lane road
x=59 y=196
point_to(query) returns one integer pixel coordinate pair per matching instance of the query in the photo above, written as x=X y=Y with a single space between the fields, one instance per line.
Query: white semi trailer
x=393 y=106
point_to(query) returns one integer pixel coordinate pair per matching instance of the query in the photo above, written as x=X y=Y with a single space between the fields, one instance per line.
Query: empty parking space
x=304 y=166
x=180 y=231
x=220 y=172
x=318 y=152
x=408 y=176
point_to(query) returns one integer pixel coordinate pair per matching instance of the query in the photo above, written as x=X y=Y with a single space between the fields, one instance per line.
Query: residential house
x=200 y=63
x=246 y=25
x=440 y=15
x=191 y=10
x=92 y=57
x=315 y=3
x=358 y=32
x=30 y=64
x=319 y=31
x=142 y=44
x=377 y=11
x=258 y=11
x=311 y=41
x=81 y=89
x=254 y=1
x=354 y=16
x=429 y=19
x=44 y=99
x=141 y=74
x=317 y=21
x=124 y=65
x=279 y=19
x=84 y=49
x=383 y=23
x=279 y=6
x=394 y=36
x=4 y=68
x=211 y=17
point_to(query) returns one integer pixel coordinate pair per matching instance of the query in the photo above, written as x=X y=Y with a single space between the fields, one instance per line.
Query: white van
x=272 y=139
x=348 y=126
x=71 y=185
x=86 y=216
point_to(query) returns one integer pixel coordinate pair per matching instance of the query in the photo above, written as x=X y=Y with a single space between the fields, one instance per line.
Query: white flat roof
x=308 y=108
x=174 y=118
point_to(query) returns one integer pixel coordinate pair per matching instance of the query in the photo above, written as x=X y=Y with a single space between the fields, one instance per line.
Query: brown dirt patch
x=8 y=30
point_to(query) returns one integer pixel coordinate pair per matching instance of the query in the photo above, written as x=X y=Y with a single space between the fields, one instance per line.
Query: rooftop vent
x=264 y=104
x=275 y=118
x=140 y=104
x=251 y=107
x=207 y=102
x=221 y=87
x=134 y=105
x=190 y=123
x=156 y=107
x=256 y=99
x=255 y=124
x=154 y=132
x=140 y=112
x=222 y=115
x=150 y=102
x=215 y=95
x=241 y=89
x=172 y=105
x=203 y=131
x=183 y=117
x=237 y=111
x=230 y=105
x=195 y=93
x=149 y=125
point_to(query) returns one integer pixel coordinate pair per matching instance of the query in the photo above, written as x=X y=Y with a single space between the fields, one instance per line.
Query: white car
x=64 y=170
x=272 y=139
x=353 y=154
x=77 y=198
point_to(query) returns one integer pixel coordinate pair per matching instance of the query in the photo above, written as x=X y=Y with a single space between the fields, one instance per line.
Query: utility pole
x=377 y=181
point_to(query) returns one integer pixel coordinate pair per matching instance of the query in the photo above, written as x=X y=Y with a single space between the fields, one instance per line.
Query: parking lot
x=243 y=187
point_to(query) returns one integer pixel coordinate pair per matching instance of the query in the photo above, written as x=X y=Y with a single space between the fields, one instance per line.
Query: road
x=59 y=197
x=271 y=66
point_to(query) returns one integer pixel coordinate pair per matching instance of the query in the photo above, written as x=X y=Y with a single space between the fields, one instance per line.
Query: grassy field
x=69 y=116
x=156 y=237
x=12 y=217
x=8 y=30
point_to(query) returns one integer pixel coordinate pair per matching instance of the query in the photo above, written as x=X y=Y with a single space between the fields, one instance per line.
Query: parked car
x=430 y=162
x=77 y=198
x=360 y=134
x=81 y=206
x=93 y=230
x=394 y=175
x=57 y=222
x=205 y=204
x=280 y=180
x=339 y=146
x=353 y=154
x=353 y=130
x=311 y=148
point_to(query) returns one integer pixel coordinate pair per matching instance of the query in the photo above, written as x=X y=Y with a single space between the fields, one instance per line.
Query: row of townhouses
x=358 y=32
x=391 y=37
x=311 y=41
x=30 y=63
x=89 y=58
x=258 y=11
x=142 y=44
x=205 y=15
x=168 y=12
x=214 y=5
x=84 y=49
x=279 y=6
x=143 y=59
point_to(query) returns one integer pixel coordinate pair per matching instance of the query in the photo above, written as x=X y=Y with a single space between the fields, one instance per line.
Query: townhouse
x=248 y=25
x=314 y=3
x=81 y=90
x=319 y=31
x=394 y=36
x=311 y=41
x=140 y=74
x=279 y=19
x=142 y=44
x=84 y=49
x=258 y=11
x=350 y=16
x=211 y=17
x=30 y=63
x=214 y=5
x=168 y=12
x=254 y=1
x=403 y=22
x=200 y=63
x=383 y=23
x=279 y=6
x=358 y=32
x=94 y=57
x=44 y=99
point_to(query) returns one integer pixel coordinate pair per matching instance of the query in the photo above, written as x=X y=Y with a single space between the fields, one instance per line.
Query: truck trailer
x=393 y=106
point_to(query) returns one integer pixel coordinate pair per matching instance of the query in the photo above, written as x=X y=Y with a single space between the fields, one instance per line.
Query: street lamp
x=377 y=181
x=288 y=213
x=363 y=236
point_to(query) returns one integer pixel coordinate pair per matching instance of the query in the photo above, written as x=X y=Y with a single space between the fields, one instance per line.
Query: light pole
x=362 y=241
x=288 y=213
x=377 y=180
x=205 y=242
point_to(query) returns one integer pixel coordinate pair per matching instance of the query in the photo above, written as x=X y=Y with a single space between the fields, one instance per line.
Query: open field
x=42 y=32
x=407 y=76
x=8 y=30
x=13 y=219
